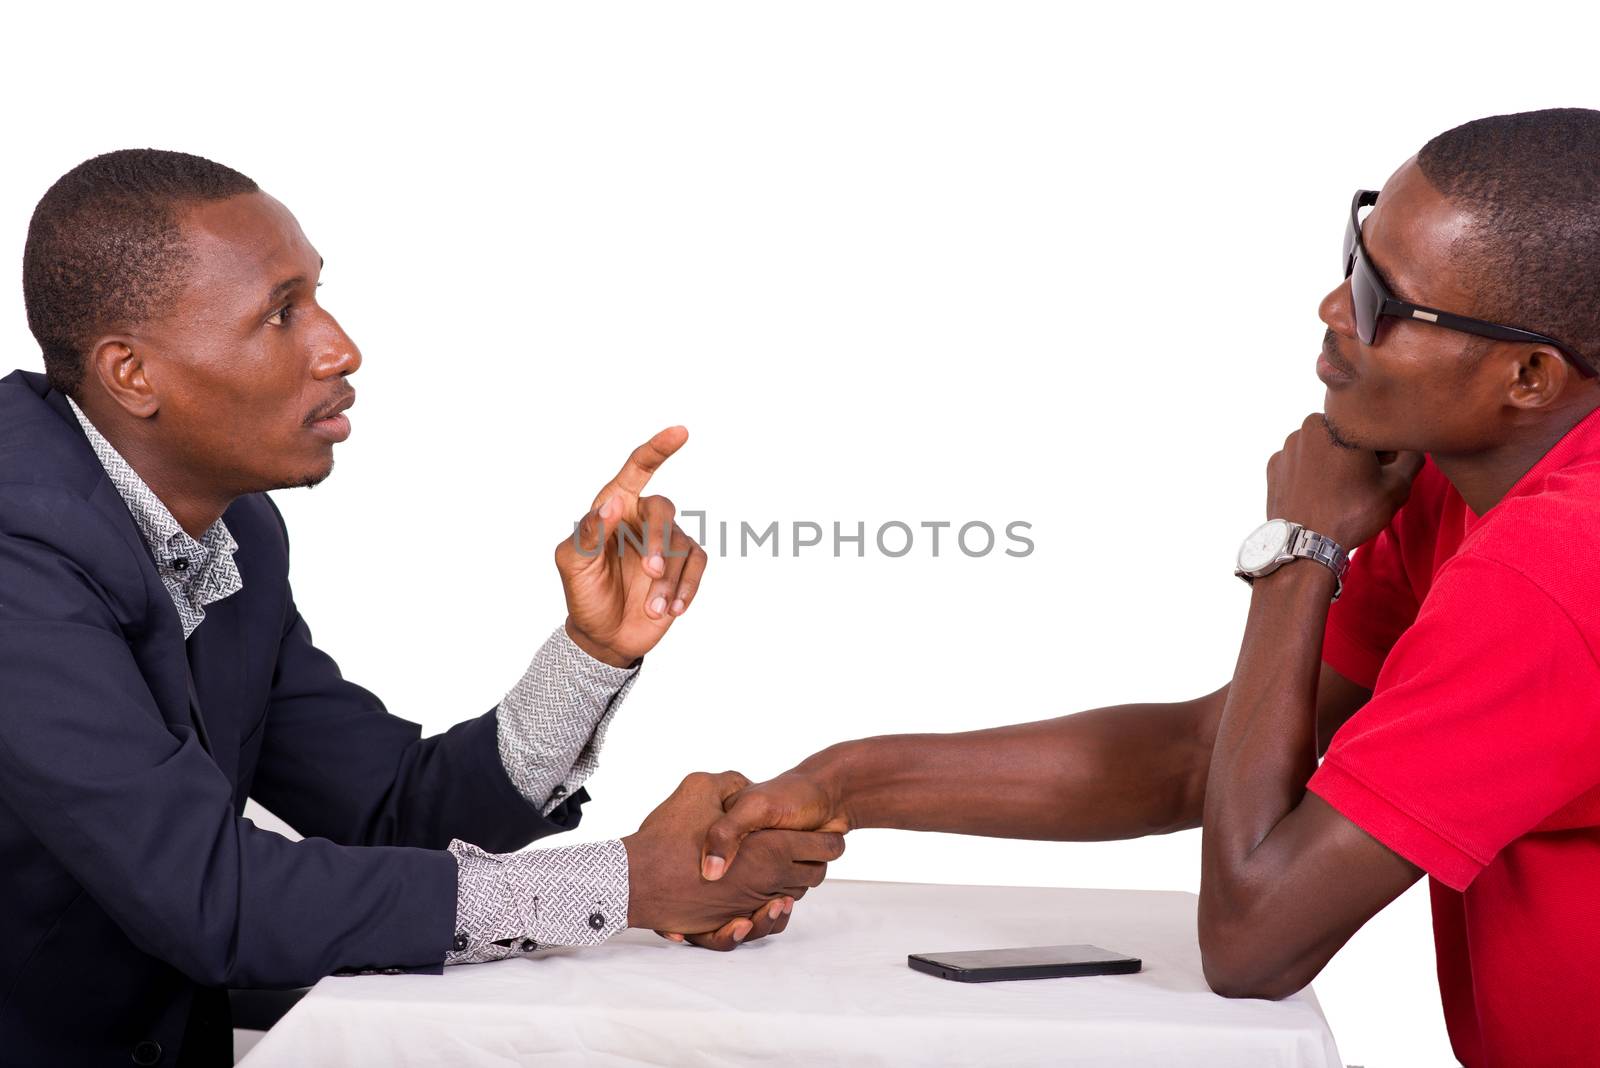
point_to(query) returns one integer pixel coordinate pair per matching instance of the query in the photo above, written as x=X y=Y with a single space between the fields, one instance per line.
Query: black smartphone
x=1026 y=962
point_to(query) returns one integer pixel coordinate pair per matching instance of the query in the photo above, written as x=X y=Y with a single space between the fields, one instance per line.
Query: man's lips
x=340 y=405
x=1328 y=362
x=331 y=423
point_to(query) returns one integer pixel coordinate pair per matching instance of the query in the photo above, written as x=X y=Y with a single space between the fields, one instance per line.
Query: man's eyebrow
x=1402 y=288
x=1398 y=286
x=284 y=287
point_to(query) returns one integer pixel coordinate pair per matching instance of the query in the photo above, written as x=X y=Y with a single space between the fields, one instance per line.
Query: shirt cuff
x=552 y=723
x=513 y=904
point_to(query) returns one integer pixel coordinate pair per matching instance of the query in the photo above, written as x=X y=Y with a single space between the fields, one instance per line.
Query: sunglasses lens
x=1365 y=300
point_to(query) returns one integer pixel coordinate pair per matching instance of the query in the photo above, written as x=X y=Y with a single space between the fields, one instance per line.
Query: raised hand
x=621 y=600
x=666 y=892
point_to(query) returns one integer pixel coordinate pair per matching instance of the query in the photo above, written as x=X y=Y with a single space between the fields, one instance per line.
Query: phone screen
x=1025 y=957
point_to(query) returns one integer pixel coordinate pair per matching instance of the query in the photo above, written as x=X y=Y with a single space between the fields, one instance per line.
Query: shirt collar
x=1578 y=446
x=195 y=572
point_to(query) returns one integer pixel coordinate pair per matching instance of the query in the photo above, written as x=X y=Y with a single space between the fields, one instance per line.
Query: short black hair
x=105 y=249
x=1531 y=181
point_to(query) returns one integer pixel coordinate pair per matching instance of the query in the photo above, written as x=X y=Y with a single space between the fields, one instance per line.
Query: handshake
x=683 y=880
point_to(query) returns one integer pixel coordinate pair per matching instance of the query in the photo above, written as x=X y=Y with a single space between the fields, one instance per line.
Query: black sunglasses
x=1372 y=298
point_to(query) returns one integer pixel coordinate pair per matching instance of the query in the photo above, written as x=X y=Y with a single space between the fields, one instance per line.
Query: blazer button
x=596 y=921
x=529 y=945
x=147 y=1053
x=460 y=943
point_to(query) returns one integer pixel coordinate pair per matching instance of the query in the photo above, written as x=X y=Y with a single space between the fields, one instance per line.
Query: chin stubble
x=309 y=481
x=1337 y=436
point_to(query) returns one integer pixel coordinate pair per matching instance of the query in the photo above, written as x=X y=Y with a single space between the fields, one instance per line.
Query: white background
x=916 y=262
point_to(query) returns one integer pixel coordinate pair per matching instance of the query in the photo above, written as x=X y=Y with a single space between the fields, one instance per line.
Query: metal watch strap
x=1324 y=550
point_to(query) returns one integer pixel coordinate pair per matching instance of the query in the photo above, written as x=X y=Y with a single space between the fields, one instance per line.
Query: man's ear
x=117 y=364
x=1541 y=377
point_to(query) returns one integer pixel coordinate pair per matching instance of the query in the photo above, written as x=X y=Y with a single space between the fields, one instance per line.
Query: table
x=833 y=989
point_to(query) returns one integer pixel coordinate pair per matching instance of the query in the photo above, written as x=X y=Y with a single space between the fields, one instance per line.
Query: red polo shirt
x=1478 y=756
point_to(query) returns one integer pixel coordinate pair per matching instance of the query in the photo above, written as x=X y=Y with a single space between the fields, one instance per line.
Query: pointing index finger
x=643 y=462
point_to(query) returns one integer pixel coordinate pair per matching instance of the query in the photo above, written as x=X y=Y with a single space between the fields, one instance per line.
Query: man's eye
x=282 y=315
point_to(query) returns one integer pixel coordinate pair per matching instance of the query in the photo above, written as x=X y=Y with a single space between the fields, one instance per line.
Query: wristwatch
x=1278 y=541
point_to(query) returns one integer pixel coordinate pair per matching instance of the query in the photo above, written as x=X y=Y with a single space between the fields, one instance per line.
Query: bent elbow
x=1234 y=967
x=203 y=967
x=209 y=956
x=1230 y=976
x=1231 y=985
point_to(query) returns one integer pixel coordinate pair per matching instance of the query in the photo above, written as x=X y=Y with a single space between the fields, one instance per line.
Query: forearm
x=1117 y=772
x=335 y=764
x=1285 y=879
x=1265 y=748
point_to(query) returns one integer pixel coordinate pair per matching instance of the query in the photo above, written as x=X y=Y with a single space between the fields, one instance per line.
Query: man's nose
x=337 y=355
x=1335 y=311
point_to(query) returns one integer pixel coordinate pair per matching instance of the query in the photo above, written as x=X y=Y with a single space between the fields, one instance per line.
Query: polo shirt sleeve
x=1375 y=606
x=1484 y=721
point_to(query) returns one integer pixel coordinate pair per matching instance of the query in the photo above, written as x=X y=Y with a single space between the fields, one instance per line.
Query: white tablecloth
x=832 y=990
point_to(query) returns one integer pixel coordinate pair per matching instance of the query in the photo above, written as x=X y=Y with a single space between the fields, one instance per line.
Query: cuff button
x=460 y=943
x=596 y=921
x=529 y=945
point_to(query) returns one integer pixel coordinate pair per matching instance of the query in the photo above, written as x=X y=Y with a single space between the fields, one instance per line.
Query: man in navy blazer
x=155 y=672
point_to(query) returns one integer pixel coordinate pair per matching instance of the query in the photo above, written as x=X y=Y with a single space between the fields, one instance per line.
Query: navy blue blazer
x=130 y=885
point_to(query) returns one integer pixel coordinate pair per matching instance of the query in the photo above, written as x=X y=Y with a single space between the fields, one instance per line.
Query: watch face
x=1264 y=544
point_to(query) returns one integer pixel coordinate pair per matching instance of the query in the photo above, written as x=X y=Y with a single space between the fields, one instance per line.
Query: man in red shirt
x=1455 y=672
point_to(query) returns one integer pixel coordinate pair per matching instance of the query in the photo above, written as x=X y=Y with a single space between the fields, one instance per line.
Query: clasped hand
x=784 y=828
x=668 y=893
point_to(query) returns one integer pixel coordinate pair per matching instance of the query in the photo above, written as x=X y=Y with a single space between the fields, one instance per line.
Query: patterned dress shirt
x=550 y=727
